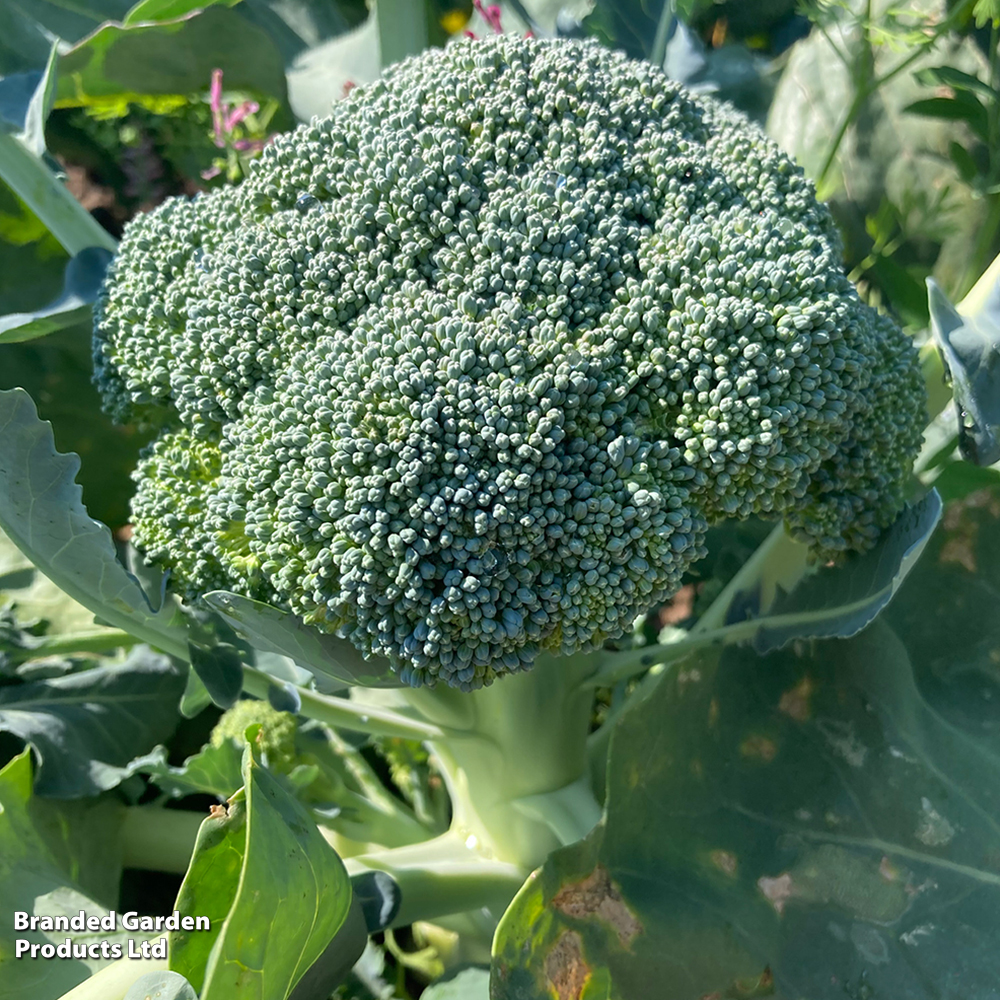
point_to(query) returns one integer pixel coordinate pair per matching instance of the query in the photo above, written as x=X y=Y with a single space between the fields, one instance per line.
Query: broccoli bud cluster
x=464 y=371
x=276 y=737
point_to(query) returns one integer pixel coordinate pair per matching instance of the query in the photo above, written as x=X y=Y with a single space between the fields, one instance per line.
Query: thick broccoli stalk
x=467 y=369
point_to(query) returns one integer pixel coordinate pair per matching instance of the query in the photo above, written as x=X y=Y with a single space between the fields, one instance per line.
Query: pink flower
x=238 y=114
x=218 y=119
x=225 y=120
x=491 y=15
x=216 y=92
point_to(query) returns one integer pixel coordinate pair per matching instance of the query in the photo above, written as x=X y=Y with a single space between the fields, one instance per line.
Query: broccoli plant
x=446 y=395
x=463 y=373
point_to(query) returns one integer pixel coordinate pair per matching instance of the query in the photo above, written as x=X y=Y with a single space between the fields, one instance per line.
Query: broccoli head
x=464 y=371
x=277 y=731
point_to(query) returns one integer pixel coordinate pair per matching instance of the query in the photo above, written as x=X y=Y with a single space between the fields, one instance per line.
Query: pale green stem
x=442 y=876
x=345 y=713
x=370 y=813
x=513 y=750
x=622 y=666
x=364 y=776
x=527 y=741
x=32 y=181
x=715 y=616
x=158 y=839
x=81 y=642
x=362 y=821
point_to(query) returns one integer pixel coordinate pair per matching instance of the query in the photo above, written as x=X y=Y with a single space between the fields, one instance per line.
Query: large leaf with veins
x=820 y=822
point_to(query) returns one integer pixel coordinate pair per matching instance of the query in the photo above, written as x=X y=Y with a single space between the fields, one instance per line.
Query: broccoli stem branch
x=66 y=643
x=369 y=814
x=443 y=876
x=158 y=839
x=514 y=758
x=365 y=823
x=345 y=713
x=360 y=772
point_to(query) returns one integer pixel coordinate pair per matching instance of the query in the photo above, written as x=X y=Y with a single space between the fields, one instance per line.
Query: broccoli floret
x=177 y=481
x=174 y=478
x=277 y=733
x=485 y=352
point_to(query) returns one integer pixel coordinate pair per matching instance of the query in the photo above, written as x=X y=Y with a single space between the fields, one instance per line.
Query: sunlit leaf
x=42 y=514
x=271 y=630
x=265 y=855
x=33 y=880
x=214 y=770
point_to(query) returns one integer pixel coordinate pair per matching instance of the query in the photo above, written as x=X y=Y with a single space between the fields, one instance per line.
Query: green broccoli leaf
x=44 y=517
x=820 y=821
x=56 y=371
x=220 y=668
x=35 y=878
x=18 y=639
x=40 y=626
x=25 y=102
x=271 y=630
x=265 y=855
x=969 y=343
x=114 y=65
x=214 y=770
x=87 y=728
x=82 y=279
x=146 y=11
x=23 y=112
x=27 y=29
